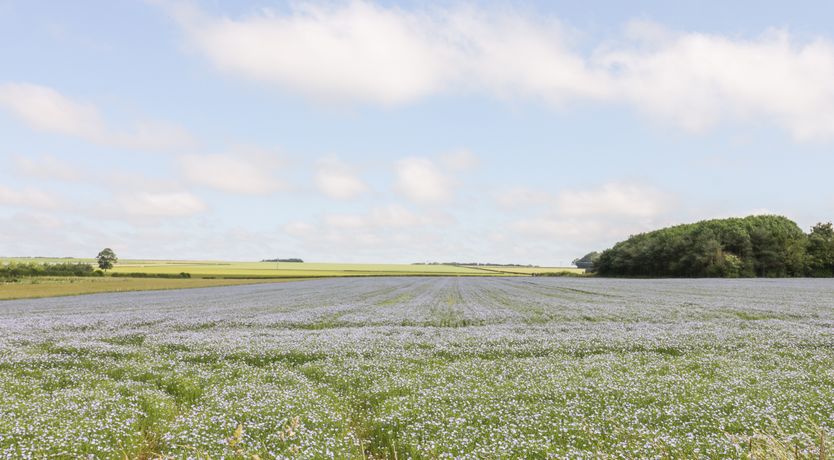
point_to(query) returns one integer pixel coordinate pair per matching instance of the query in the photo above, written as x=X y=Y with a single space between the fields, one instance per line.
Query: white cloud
x=337 y=180
x=626 y=199
x=383 y=217
x=421 y=181
x=38 y=234
x=365 y=52
x=47 y=167
x=148 y=204
x=519 y=198
x=359 y=51
x=42 y=234
x=344 y=221
x=27 y=198
x=378 y=222
x=354 y=51
x=565 y=229
x=460 y=160
x=698 y=80
x=390 y=232
x=395 y=215
x=613 y=199
x=581 y=220
x=558 y=240
x=510 y=54
x=151 y=135
x=299 y=228
x=47 y=110
x=235 y=173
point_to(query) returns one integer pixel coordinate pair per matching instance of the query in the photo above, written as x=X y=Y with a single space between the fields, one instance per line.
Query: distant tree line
x=755 y=246
x=283 y=260
x=14 y=270
x=151 y=275
x=105 y=259
x=560 y=274
x=475 y=264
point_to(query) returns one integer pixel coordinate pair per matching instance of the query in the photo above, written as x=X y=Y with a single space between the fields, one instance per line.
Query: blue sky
x=527 y=132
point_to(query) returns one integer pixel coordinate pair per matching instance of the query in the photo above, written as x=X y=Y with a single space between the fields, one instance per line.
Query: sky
x=405 y=131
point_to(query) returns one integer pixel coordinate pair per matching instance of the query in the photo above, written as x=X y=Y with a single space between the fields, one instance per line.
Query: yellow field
x=221 y=269
x=291 y=269
x=288 y=269
x=29 y=288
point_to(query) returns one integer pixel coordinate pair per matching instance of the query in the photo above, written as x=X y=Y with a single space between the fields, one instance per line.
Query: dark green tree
x=821 y=250
x=106 y=258
x=768 y=260
x=737 y=247
x=587 y=261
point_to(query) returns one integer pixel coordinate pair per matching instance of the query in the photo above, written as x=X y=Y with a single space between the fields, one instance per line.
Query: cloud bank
x=237 y=172
x=421 y=181
x=45 y=109
x=360 y=52
x=337 y=180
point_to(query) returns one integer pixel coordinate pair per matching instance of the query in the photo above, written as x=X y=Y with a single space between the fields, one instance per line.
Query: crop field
x=290 y=269
x=424 y=367
x=271 y=269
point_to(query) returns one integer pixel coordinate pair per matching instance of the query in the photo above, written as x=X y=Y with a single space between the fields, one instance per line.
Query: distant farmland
x=289 y=269
x=218 y=273
x=223 y=269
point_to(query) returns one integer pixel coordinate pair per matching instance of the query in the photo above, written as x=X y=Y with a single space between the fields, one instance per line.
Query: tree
x=769 y=246
x=768 y=260
x=587 y=261
x=106 y=258
x=821 y=250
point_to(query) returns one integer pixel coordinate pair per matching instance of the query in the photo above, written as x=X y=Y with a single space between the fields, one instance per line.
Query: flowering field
x=423 y=368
